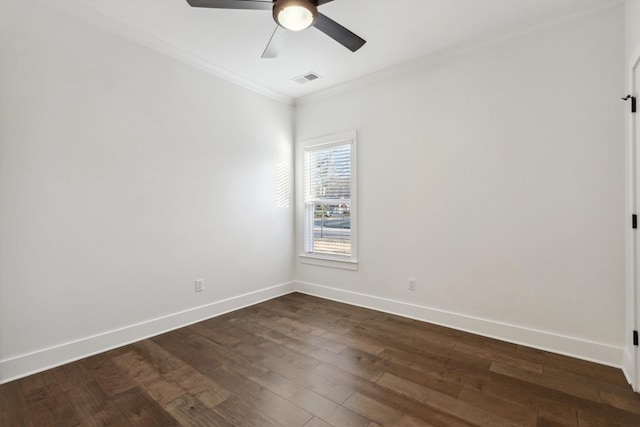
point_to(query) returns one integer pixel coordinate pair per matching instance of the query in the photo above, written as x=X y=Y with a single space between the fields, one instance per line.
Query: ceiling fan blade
x=276 y=43
x=339 y=33
x=233 y=4
x=321 y=2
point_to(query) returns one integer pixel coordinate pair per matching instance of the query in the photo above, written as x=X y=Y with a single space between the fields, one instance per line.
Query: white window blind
x=328 y=190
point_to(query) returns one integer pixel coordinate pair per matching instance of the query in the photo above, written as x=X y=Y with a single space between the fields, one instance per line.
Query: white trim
x=31 y=363
x=330 y=140
x=137 y=36
x=345 y=264
x=134 y=35
x=548 y=341
x=631 y=356
x=627 y=366
x=635 y=58
x=428 y=61
x=47 y=358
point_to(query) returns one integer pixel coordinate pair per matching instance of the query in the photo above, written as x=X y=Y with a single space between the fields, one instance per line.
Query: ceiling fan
x=292 y=15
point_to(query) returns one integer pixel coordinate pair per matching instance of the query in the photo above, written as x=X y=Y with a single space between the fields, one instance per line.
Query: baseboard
x=31 y=363
x=570 y=346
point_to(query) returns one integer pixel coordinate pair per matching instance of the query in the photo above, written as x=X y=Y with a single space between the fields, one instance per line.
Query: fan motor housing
x=280 y=5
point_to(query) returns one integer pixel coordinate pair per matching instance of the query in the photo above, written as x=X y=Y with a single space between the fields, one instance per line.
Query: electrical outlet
x=199 y=285
x=412 y=284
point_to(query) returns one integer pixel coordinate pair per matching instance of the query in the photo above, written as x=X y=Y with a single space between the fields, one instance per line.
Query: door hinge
x=635 y=337
x=634 y=221
x=633 y=102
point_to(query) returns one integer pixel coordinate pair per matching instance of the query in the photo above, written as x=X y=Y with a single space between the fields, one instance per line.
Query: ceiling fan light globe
x=295 y=15
x=295 y=18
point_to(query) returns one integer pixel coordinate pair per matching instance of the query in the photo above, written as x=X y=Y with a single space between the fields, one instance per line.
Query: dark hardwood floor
x=303 y=361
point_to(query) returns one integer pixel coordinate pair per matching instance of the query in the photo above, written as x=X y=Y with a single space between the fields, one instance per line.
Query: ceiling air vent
x=306 y=78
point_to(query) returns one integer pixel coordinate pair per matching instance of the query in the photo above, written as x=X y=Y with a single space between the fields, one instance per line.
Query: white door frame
x=631 y=362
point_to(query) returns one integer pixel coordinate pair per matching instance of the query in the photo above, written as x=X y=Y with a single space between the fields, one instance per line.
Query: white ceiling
x=230 y=42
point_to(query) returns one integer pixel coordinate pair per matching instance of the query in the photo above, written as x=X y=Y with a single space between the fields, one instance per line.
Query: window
x=329 y=198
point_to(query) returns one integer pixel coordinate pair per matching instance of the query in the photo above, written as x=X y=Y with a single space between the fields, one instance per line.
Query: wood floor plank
x=88 y=399
x=606 y=415
x=419 y=362
x=206 y=390
x=497 y=356
x=548 y=422
x=274 y=328
x=13 y=408
x=296 y=358
x=181 y=349
x=317 y=352
x=140 y=410
x=34 y=382
x=94 y=406
x=317 y=422
x=570 y=364
x=107 y=416
x=301 y=326
x=220 y=336
x=350 y=340
x=378 y=411
x=547 y=403
x=629 y=402
x=343 y=416
x=238 y=412
x=415 y=344
x=175 y=377
x=392 y=398
x=225 y=356
x=71 y=375
x=571 y=386
x=190 y=412
x=163 y=361
x=299 y=360
x=320 y=384
x=265 y=402
x=48 y=406
x=308 y=400
x=432 y=380
x=134 y=367
x=521 y=414
x=444 y=402
x=328 y=323
x=108 y=375
x=320 y=406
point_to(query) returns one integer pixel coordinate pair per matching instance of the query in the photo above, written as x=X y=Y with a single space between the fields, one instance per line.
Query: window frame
x=349 y=262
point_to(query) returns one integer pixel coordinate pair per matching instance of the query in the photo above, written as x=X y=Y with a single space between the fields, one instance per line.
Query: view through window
x=328 y=191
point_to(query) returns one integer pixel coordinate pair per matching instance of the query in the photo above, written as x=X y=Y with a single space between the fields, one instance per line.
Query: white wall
x=496 y=179
x=124 y=176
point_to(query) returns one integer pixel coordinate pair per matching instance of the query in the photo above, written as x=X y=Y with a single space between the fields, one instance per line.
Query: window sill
x=345 y=264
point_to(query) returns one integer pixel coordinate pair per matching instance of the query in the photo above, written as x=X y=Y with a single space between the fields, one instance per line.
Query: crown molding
x=447 y=54
x=408 y=68
x=127 y=32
